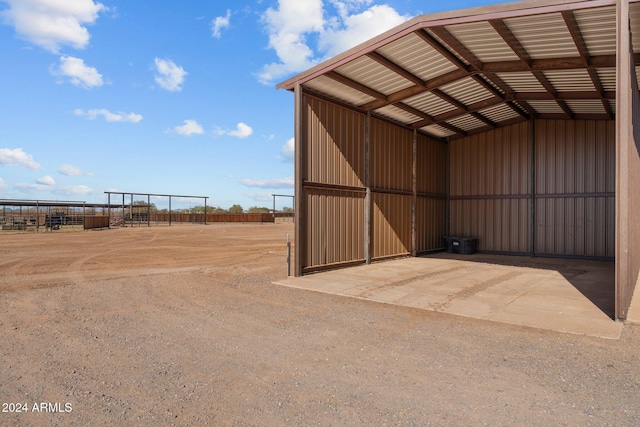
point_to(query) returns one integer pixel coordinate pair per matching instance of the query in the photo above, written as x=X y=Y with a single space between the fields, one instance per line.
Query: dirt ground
x=182 y=325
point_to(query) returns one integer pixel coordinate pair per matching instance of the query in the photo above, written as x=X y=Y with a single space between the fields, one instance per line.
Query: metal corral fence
x=200 y=217
x=39 y=215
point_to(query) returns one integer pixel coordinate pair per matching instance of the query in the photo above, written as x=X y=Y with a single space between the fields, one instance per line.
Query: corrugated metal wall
x=491 y=193
x=575 y=187
x=431 y=189
x=391 y=188
x=333 y=187
x=334 y=227
x=335 y=192
x=490 y=188
x=335 y=150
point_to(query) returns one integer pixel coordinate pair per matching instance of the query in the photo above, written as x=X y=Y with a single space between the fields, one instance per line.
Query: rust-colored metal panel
x=575 y=184
x=432 y=166
x=577 y=226
x=575 y=156
x=430 y=223
x=334 y=227
x=391 y=223
x=500 y=225
x=391 y=156
x=490 y=188
x=491 y=163
x=335 y=144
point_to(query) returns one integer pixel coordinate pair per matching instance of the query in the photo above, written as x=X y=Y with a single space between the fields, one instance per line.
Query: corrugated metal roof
x=483 y=41
x=430 y=104
x=499 y=113
x=546 y=107
x=467 y=72
x=634 y=13
x=438 y=131
x=543 y=36
x=523 y=81
x=586 y=106
x=336 y=90
x=467 y=91
x=397 y=114
x=570 y=80
x=466 y=122
x=599 y=37
x=417 y=57
x=373 y=75
x=607 y=78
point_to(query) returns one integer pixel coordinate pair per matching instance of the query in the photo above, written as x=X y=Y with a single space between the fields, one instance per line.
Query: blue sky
x=170 y=97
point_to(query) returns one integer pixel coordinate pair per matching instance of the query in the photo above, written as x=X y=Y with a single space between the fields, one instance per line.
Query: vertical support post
x=84 y=213
x=131 y=211
x=274 y=211
x=626 y=163
x=205 y=211
x=124 y=213
x=109 y=209
x=447 y=209
x=148 y=210
x=169 y=210
x=300 y=238
x=414 y=195
x=367 y=185
x=37 y=215
x=532 y=187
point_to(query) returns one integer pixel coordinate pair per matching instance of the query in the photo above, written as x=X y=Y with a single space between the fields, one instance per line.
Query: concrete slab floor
x=573 y=296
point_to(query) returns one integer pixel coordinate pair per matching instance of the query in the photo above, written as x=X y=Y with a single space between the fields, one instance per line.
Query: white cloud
x=288 y=150
x=268 y=183
x=190 y=127
x=17 y=157
x=70 y=170
x=220 y=23
x=295 y=25
x=358 y=28
x=47 y=181
x=78 y=73
x=53 y=23
x=108 y=115
x=288 y=27
x=242 y=131
x=170 y=76
x=3 y=185
x=64 y=190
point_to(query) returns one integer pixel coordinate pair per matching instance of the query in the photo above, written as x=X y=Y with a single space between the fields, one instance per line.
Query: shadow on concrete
x=595 y=280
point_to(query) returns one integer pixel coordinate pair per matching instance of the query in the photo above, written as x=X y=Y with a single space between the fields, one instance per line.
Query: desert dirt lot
x=182 y=325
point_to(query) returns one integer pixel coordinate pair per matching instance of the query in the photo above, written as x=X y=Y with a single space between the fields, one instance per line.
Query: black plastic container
x=461 y=245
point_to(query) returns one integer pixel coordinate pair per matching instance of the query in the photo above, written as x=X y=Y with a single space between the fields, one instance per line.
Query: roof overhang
x=462 y=72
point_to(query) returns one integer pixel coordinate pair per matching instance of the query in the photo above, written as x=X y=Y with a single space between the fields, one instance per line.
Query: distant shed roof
x=462 y=72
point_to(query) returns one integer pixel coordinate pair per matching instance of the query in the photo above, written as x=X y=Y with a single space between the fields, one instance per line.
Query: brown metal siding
x=575 y=185
x=431 y=188
x=333 y=192
x=391 y=225
x=494 y=163
x=391 y=157
x=490 y=188
x=334 y=227
x=430 y=223
x=335 y=138
x=432 y=166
